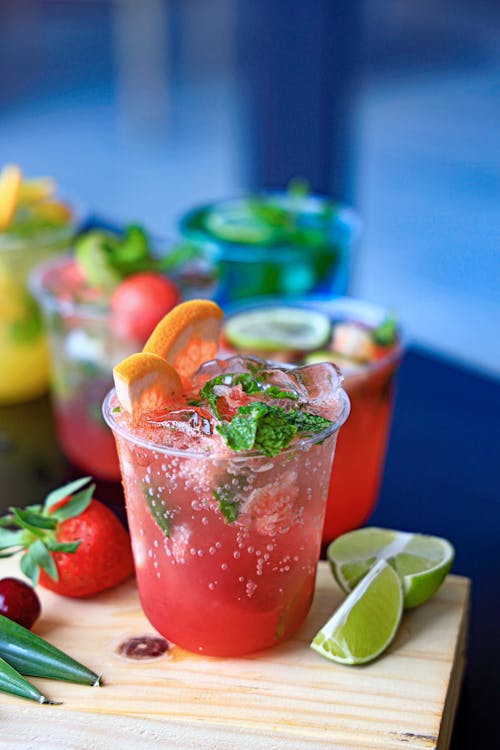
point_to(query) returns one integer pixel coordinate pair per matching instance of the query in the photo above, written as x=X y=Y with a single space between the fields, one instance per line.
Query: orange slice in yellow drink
x=145 y=382
x=10 y=185
x=187 y=336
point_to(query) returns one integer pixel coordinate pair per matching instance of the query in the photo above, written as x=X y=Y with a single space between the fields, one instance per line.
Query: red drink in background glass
x=86 y=341
x=210 y=581
x=362 y=444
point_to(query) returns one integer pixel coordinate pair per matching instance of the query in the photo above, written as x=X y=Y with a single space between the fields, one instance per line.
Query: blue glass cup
x=274 y=244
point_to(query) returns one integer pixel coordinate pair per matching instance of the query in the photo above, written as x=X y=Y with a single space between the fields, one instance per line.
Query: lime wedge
x=366 y=622
x=422 y=562
x=274 y=328
x=94 y=259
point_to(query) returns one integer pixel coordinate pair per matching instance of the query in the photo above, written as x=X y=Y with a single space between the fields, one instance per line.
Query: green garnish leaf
x=387 y=332
x=116 y=410
x=249 y=384
x=304 y=421
x=268 y=428
x=160 y=513
x=229 y=508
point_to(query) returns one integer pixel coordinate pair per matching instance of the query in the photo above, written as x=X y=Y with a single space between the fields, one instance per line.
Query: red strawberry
x=74 y=545
x=140 y=302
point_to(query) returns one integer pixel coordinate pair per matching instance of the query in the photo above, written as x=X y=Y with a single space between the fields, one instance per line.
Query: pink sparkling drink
x=226 y=543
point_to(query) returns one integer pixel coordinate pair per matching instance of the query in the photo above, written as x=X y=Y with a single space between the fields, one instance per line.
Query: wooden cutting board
x=287 y=697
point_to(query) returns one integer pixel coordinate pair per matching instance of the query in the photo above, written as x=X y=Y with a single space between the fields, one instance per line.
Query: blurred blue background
x=141 y=109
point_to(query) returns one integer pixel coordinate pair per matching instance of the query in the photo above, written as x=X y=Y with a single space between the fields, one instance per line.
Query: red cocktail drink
x=226 y=541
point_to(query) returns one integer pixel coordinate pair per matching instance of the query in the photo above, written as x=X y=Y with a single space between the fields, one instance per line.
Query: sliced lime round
x=236 y=221
x=422 y=562
x=274 y=328
x=367 y=620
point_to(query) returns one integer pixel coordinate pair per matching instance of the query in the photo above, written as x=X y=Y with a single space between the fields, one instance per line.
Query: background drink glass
x=24 y=352
x=215 y=587
x=84 y=349
x=278 y=267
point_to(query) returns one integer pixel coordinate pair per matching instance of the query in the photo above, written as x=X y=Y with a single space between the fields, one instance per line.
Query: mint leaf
x=249 y=383
x=304 y=421
x=158 y=510
x=386 y=333
x=229 y=508
x=267 y=428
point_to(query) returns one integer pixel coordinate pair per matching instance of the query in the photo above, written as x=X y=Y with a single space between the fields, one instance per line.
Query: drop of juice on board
x=143 y=647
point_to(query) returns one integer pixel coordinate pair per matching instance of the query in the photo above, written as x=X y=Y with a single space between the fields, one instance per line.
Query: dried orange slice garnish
x=187 y=336
x=10 y=185
x=145 y=382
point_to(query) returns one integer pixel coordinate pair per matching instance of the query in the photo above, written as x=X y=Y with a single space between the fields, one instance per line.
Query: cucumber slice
x=274 y=328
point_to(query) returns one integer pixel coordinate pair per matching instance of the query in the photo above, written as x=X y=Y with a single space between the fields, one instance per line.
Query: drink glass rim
x=300 y=444
x=369 y=313
x=344 y=216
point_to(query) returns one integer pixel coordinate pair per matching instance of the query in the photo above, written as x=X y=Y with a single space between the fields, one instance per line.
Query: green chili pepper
x=32 y=655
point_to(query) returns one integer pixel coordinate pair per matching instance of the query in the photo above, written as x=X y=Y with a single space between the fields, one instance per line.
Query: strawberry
x=73 y=544
x=140 y=302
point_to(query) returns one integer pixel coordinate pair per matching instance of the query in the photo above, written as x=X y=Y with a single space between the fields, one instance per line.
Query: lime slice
x=95 y=261
x=275 y=328
x=366 y=622
x=235 y=221
x=421 y=561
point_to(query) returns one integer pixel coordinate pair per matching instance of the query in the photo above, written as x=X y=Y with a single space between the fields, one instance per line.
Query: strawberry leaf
x=54 y=546
x=56 y=496
x=30 y=568
x=76 y=505
x=10 y=538
x=41 y=556
x=23 y=519
x=35 y=520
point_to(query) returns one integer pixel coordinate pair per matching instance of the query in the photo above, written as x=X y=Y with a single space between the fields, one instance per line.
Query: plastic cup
x=24 y=352
x=281 y=268
x=209 y=583
x=84 y=349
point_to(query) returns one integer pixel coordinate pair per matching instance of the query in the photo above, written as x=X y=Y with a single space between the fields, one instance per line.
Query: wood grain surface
x=287 y=697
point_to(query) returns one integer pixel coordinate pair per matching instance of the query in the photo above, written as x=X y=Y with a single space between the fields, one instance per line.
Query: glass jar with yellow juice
x=33 y=225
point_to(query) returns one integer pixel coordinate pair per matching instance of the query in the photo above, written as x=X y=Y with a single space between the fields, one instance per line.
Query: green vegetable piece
x=31 y=655
x=387 y=332
x=229 y=508
x=94 y=254
x=160 y=514
x=268 y=428
x=14 y=683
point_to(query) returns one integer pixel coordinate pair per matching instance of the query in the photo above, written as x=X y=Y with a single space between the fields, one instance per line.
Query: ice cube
x=321 y=380
x=283 y=379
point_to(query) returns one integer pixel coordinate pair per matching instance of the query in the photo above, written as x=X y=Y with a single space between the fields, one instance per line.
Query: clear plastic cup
x=24 y=351
x=215 y=583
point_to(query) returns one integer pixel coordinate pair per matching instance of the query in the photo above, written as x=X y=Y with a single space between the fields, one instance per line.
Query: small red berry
x=140 y=302
x=19 y=601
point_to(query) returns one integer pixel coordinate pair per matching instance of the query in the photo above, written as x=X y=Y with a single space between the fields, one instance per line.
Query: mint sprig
x=33 y=530
x=266 y=428
x=250 y=384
